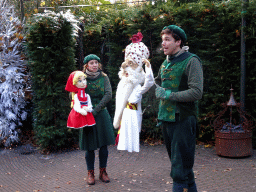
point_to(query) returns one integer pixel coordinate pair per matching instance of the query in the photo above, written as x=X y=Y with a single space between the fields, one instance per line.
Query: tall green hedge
x=214 y=32
x=50 y=47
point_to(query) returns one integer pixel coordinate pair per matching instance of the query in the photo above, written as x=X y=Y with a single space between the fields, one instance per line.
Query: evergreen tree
x=12 y=83
x=51 y=54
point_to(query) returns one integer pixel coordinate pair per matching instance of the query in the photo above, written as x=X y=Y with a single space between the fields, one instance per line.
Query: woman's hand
x=83 y=112
x=85 y=108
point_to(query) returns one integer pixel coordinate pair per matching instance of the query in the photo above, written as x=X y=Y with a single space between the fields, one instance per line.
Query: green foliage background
x=51 y=53
x=214 y=33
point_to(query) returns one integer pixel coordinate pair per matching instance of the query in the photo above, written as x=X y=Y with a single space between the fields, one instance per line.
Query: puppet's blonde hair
x=75 y=80
x=77 y=75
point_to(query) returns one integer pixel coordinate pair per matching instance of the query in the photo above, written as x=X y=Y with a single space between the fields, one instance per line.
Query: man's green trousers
x=180 y=140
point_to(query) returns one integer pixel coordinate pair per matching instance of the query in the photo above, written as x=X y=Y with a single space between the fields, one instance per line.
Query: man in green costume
x=179 y=87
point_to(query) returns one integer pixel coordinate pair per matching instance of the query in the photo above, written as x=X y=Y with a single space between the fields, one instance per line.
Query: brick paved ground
x=145 y=171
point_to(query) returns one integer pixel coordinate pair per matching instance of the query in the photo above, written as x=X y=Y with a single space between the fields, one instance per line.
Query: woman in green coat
x=100 y=135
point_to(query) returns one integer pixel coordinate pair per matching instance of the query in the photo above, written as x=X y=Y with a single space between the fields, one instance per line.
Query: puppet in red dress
x=81 y=113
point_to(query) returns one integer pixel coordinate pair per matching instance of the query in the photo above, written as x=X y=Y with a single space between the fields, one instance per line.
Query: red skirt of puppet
x=77 y=121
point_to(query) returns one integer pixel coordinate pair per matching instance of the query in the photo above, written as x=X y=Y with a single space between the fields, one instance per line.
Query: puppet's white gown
x=129 y=136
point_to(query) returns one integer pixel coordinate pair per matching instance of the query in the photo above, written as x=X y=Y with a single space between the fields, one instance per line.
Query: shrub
x=50 y=46
x=213 y=30
x=12 y=75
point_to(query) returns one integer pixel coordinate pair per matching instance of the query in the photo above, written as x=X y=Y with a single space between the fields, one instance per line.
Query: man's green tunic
x=182 y=74
x=174 y=78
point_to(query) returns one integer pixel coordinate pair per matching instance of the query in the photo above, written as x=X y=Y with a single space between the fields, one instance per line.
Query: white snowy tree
x=12 y=83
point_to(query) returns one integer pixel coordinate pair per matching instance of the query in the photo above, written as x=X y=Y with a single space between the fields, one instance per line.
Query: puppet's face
x=129 y=67
x=81 y=83
x=131 y=72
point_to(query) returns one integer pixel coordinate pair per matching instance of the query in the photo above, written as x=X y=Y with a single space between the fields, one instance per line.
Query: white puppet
x=133 y=83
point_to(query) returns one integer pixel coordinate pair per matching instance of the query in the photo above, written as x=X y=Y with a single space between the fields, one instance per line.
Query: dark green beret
x=177 y=30
x=91 y=57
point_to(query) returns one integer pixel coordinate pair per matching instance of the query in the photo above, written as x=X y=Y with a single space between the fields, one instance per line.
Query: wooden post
x=22 y=10
x=80 y=56
x=243 y=52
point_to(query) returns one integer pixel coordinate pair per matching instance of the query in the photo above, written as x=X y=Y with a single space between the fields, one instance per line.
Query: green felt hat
x=91 y=57
x=177 y=30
